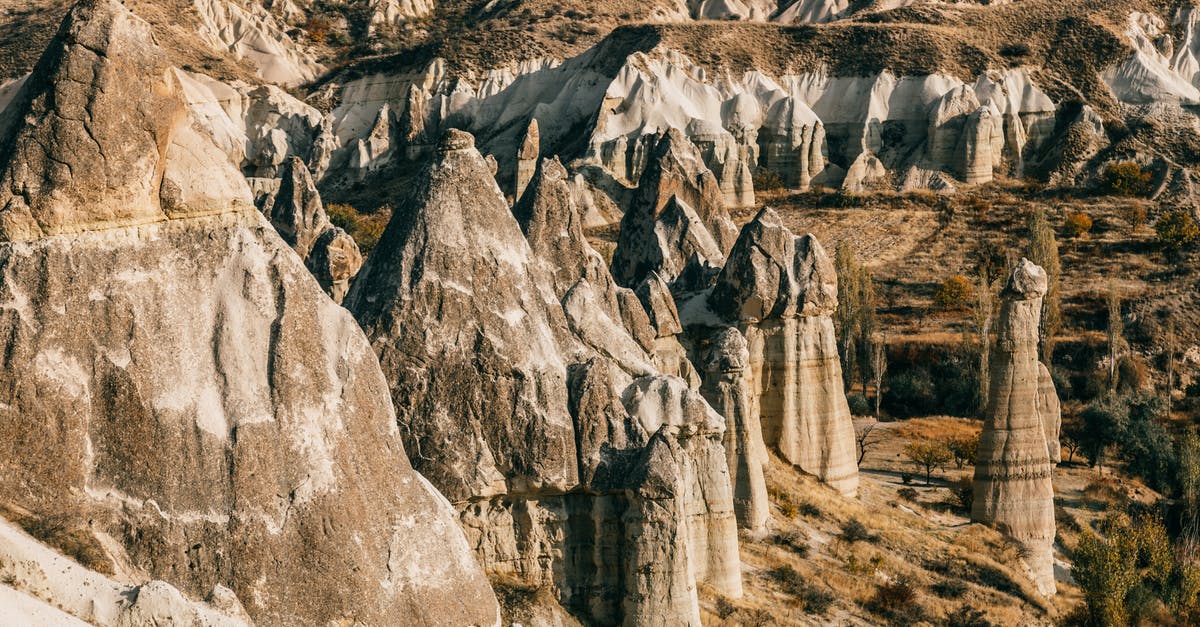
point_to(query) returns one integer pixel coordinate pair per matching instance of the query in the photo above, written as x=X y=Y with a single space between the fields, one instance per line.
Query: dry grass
x=947 y=561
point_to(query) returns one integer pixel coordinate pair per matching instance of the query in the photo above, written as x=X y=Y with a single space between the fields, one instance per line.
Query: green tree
x=1125 y=179
x=984 y=314
x=1043 y=250
x=928 y=454
x=855 y=319
x=965 y=449
x=1176 y=230
x=1104 y=422
x=1116 y=333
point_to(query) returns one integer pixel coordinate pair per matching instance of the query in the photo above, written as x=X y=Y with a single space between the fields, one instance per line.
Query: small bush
x=955 y=293
x=911 y=393
x=1015 y=50
x=854 y=531
x=859 y=405
x=949 y=588
x=1135 y=215
x=964 y=494
x=1125 y=179
x=842 y=199
x=1077 y=225
x=814 y=599
x=766 y=180
x=1177 y=230
x=795 y=541
x=907 y=494
x=365 y=229
x=897 y=602
x=967 y=616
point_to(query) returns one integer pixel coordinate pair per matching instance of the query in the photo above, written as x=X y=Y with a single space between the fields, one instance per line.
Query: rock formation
x=781 y=292
x=298 y=215
x=1013 y=483
x=727 y=386
x=175 y=379
x=573 y=464
x=527 y=158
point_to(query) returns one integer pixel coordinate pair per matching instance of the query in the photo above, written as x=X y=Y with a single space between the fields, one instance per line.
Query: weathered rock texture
x=523 y=395
x=1013 y=485
x=297 y=213
x=527 y=158
x=781 y=291
x=173 y=375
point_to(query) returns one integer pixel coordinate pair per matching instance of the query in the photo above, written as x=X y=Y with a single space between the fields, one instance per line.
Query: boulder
x=174 y=377
x=1013 y=473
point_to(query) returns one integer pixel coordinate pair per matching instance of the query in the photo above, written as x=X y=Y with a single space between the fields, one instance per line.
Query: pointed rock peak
x=99 y=136
x=297 y=213
x=655 y=296
x=531 y=145
x=757 y=281
x=547 y=209
x=1027 y=281
x=816 y=278
x=454 y=140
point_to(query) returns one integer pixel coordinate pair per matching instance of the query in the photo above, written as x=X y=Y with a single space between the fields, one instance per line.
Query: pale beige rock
x=574 y=463
x=528 y=154
x=781 y=291
x=727 y=387
x=1013 y=473
x=181 y=390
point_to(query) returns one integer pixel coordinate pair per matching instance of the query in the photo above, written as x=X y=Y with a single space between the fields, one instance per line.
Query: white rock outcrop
x=572 y=462
x=176 y=383
x=250 y=32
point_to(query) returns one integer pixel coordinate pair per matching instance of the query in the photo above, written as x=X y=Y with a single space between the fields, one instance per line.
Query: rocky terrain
x=596 y=368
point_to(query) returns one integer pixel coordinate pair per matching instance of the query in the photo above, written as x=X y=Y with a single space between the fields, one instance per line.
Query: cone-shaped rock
x=526 y=399
x=82 y=146
x=527 y=158
x=675 y=167
x=297 y=212
x=781 y=291
x=1013 y=483
x=450 y=300
x=182 y=385
x=662 y=243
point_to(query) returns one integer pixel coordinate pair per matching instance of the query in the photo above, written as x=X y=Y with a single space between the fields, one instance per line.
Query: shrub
x=859 y=405
x=929 y=455
x=949 y=588
x=766 y=180
x=964 y=449
x=911 y=393
x=955 y=293
x=1077 y=225
x=907 y=494
x=854 y=531
x=843 y=199
x=365 y=229
x=964 y=494
x=897 y=602
x=967 y=616
x=1135 y=215
x=796 y=541
x=1015 y=50
x=1125 y=179
x=814 y=599
x=1176 y=230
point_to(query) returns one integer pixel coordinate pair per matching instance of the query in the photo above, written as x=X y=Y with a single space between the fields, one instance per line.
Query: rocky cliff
x=175 y=379
x=780 y=291
x=572 y=462
x=1018 y=447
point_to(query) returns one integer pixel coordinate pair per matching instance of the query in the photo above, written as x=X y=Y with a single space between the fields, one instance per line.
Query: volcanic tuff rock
x=174 y=376
x=1013 y=473
x=553 y=433
x=781 y=291
x=298 y=215
x=527 y=158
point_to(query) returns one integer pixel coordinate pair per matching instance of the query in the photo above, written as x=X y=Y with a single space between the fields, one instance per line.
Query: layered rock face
x=781 y=291
x=174 y=376
x=572 y=462
x=1013 y=483
x=298 y=215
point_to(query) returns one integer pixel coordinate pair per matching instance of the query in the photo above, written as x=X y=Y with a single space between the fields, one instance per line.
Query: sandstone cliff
x=173 y=374
x=1013 y=484
x=572 y=462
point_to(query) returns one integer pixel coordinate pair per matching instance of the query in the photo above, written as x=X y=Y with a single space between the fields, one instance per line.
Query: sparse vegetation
x=928 y=455
x=365 y=229
x=1126 y=178
x=954 y=294
x=1177 y=230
